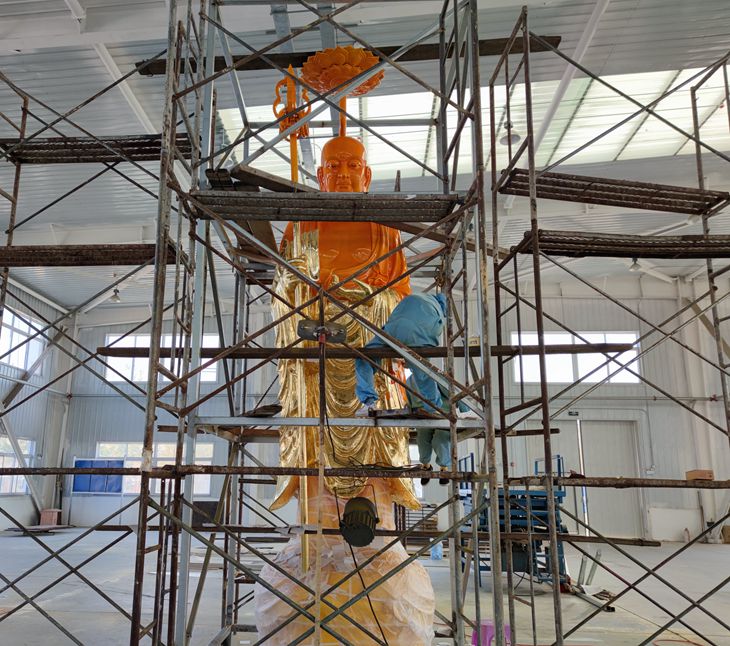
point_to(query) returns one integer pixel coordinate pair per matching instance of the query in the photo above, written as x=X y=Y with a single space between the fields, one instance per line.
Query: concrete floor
x=92 y=620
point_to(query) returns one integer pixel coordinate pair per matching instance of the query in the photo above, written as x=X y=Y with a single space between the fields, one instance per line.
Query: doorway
x=596 y=449
x=610 y=449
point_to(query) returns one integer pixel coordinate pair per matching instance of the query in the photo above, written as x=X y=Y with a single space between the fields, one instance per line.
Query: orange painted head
x=344 y=168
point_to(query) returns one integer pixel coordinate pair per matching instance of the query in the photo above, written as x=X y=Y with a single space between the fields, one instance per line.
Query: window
x=136 y=368
x=15 y=331
x=415 y=459
x=566 y=368
x=14 y=484
x=209 y=341
x=163 y=454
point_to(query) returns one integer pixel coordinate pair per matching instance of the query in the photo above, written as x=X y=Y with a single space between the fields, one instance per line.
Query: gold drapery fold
x=299 y=384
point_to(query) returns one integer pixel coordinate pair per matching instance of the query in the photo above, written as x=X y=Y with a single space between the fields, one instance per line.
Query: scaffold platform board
x=266 y=431
x=385 y=208
x=247 y=178
x=421 y=52
x=96 y=255
x=87 y=150
x=334 y=351
x=581 y=245
x=237 y=422
x=250 y=176
x=615 y=192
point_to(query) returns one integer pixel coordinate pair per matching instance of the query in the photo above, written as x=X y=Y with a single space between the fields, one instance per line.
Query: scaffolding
x=515 y=310
x=210 y=213
x=198 y=197
x=240 y=218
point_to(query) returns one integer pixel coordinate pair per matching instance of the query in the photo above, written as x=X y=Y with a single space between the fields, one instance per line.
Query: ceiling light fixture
x=115 y=298
x=635 y=266
x=511 y=137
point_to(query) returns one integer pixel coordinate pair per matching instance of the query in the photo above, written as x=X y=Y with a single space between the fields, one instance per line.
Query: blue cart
x=536 y=521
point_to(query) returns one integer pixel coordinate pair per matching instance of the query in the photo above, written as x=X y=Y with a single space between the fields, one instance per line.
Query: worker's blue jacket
x=418 y=320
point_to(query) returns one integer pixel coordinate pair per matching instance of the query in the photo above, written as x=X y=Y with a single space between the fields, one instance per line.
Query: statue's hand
x=286 y=280
x=354 y=291
x=300 y=264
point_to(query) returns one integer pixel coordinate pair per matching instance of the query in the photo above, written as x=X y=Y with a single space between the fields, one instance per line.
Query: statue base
x=403 y=604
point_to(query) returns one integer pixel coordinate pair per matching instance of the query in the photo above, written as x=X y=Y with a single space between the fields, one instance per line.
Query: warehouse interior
x=559 y=170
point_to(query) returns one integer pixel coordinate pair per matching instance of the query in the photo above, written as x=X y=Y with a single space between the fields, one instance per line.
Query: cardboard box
x=700 y=474
x=50 y=517
x=726 y=534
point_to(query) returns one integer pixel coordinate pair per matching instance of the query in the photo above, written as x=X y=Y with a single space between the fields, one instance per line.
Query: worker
x=436 y=441
x=418 y=320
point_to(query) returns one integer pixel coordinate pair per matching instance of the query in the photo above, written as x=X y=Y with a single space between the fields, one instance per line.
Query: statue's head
x=344 y=169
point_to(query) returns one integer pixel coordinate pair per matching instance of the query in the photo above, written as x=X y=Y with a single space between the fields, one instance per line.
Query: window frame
x=18 y=484
x=136 y=368
x=202 y=483
x=31 y=350
x=580 y=364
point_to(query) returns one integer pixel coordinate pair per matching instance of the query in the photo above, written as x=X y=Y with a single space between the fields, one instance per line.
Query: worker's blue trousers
x=365 y=385
x=436 y=440
x=418 y=320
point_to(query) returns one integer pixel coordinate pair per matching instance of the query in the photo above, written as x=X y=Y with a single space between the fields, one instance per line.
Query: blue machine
x=520 y=501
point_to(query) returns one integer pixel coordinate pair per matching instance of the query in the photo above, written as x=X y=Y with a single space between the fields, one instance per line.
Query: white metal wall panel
x=665 y=432
x=98 y=413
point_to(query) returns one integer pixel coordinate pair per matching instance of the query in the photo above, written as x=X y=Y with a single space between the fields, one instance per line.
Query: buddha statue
x=329 y=252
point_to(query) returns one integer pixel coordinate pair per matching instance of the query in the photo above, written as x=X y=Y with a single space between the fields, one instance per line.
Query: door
x=610 y=449
x=565 y=445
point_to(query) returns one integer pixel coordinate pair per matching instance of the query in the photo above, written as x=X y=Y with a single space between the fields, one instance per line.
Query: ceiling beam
x=77 y=11
x=129 y=96
x=120 y=22
x=720 y=104
x=650 y=270
x=41 y=297
x=111 y=23
x=423 y=52
x=580 y=49
x=587 y=84
x=143 y=274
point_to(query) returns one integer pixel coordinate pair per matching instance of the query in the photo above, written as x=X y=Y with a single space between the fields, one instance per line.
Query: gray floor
x=93 y=620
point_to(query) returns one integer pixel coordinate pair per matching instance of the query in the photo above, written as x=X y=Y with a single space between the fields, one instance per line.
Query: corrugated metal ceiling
x=634 y=36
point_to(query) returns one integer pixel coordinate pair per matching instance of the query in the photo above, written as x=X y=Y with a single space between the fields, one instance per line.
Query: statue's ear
x=368 y=177
x=320 y=177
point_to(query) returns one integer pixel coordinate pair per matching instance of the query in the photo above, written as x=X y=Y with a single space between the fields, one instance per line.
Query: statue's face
x=344 y=169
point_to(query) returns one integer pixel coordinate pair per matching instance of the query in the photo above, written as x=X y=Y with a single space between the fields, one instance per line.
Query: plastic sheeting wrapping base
x=404 y=604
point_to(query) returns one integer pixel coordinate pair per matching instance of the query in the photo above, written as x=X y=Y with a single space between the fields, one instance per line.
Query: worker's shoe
x=443 y=481
x=467 y=414
x=426 y=467
x=366 y=410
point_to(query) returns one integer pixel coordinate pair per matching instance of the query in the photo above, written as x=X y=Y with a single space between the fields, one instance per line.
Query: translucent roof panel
x=588 y=111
